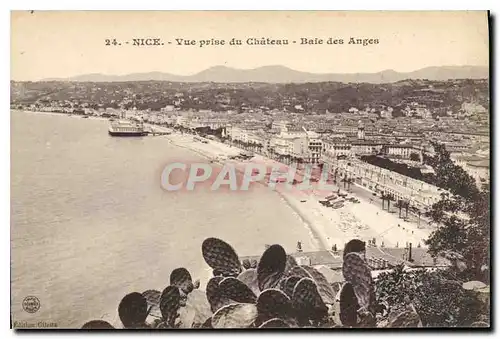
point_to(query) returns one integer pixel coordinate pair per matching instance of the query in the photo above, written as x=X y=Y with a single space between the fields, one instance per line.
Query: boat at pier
x=126 y=128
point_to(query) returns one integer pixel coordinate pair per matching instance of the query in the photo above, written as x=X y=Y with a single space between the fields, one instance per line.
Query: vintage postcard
x=250 y=169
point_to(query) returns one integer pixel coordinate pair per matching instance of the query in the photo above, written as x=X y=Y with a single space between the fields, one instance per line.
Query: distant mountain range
x=281 y=74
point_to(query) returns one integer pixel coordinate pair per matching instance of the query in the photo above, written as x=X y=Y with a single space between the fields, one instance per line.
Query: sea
x=91 y=223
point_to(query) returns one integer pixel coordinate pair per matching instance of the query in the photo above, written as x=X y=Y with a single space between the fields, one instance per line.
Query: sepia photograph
x=250 y=169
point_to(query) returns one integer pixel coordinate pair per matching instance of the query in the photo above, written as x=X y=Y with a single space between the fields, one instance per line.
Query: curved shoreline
x=315 y=235
x=326 y=227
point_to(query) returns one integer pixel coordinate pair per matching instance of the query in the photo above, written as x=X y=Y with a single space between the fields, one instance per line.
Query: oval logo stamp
x=31 y=304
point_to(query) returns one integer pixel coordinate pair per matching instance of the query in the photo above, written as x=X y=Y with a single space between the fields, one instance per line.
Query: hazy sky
x=63 y=44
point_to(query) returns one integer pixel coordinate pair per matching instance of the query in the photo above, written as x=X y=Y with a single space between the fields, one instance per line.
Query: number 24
x=109 y=42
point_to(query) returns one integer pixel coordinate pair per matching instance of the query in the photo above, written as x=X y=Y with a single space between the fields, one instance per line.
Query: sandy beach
x=328 y=226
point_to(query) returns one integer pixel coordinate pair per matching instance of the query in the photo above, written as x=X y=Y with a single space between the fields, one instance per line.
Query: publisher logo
x=31 y=304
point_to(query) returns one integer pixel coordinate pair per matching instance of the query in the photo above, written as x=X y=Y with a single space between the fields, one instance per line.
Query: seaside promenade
x=331 y=227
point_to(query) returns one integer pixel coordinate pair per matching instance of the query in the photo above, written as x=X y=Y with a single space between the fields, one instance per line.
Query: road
x=367 y=195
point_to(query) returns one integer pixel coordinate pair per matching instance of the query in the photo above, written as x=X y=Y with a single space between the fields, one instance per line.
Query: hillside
x=439 y=96
x=281 y=74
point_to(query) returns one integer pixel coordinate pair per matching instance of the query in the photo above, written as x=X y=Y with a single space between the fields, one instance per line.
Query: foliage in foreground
x=438 y=297
x=462 y=216
x=276 y=292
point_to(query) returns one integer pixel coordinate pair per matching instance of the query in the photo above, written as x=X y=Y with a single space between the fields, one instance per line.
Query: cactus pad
x=273 y=303
x=169 y=304
x=181 y=278
x=153 y=300
x=298 y=271
x=235 y=316
x=133 y=310
x=220 y=256
x=237 y=291
x=97 y=325
x=215 y=295
x=249 y=278
x=324 y=288
x=274 y=323
x=271 y=267
x=348 y=306
x=288 y=285
x=246 y=264
x=358 y=273
x=307 y=302
x=290 y=262
x=207 y=323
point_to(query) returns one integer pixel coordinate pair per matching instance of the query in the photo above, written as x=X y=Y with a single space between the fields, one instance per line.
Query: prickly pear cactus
x=207 y=323
x=290 y=262
x=271 y=267
x=354 y=246
x=237 y=291
x=97 y=325
x=358 y=273
x=181 y=278
x=153 y=300
x=287 y=285
x=348 y=306
x=307 y=302
x=246 y=264
x=215 y=295
x=169 y=305
x=249 y=278
x=298 y=271
x=273 y=293
x=274 y=323
x=220 y=256
x=324 y=288
x=273 y=303
x=133 y=310
x=235 y=316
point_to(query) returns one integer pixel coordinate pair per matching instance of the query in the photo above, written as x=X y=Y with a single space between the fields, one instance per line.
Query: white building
x=420 y=194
